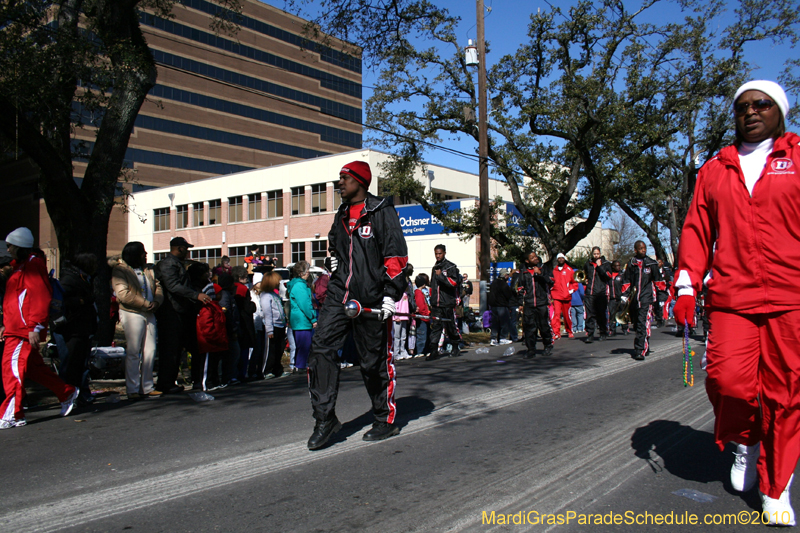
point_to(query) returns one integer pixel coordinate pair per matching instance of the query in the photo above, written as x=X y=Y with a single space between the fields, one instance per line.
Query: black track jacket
x=645 y=276
x=596 y=277
x=446 y=287
x=372 y=258
x=536 y=289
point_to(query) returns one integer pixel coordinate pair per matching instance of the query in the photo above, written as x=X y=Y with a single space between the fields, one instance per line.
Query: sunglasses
x=758 y=106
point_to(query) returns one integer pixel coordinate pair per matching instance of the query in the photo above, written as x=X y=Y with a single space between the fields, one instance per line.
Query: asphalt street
x=586 y=434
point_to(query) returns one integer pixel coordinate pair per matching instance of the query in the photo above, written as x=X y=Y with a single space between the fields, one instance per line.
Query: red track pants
x=754 y=385
x=561 y=307
x=20 y=362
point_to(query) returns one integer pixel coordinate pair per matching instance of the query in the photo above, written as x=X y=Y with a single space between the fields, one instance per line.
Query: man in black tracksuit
x=368 y=255
x=445 y=296
x=666 y=275
x=535 y=284
x=641 y=281
x=595 y=301
x=500 y=300
x=614 y=292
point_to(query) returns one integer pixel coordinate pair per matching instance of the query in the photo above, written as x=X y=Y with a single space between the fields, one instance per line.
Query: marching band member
x=746 y=200
x=641 y=281
x=596 y=300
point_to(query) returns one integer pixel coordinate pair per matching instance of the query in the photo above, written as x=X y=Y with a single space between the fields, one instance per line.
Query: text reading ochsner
x=630 y=518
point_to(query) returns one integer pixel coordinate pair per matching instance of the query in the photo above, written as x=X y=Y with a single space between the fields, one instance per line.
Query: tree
x=72 y=64
x=708 y=66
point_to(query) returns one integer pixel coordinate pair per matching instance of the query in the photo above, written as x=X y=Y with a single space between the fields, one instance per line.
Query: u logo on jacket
x=365 y=231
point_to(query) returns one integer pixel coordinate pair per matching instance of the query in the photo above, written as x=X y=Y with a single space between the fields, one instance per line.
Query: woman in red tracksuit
x=26 y=312
x=564 y=285
x=744 y=226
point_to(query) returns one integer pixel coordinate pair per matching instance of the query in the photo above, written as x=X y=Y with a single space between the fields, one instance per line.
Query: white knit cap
x=561 y=255
x=770 y=88
x=21 y=237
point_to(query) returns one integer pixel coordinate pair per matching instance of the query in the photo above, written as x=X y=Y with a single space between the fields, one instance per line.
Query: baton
x=353 y=309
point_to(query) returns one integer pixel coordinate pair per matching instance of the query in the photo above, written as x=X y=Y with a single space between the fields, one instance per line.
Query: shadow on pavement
x=688 y=454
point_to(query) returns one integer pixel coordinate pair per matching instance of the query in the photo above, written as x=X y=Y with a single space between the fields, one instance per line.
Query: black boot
x=380 y=431
x=323 y=432
x=589 y=339
x=548 y=350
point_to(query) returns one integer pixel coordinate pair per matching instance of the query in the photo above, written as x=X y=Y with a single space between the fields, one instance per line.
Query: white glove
x=624 y=299
x=334 y=263
x=388 y=308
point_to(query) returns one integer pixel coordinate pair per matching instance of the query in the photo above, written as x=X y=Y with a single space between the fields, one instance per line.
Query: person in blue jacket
x=302 y=317
x=577 y=311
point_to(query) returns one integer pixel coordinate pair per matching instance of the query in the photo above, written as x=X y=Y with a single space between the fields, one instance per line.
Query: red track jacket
x=756 y=262
x=564 y=283
x=26 y=305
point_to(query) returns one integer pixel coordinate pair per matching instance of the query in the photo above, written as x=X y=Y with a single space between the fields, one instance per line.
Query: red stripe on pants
x=751 y=357
x=20 y=362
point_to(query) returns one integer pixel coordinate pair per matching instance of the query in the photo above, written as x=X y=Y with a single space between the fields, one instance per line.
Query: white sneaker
x=743 y=472
x=8 y=424
x=69 y=404
x=493 y=343
x=505 y=341
x=778 y=512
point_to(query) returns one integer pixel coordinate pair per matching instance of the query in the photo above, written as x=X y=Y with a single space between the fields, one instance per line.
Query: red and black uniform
x=751 y=245
x=642 y=281
x=595 y=301
x=26 y=309
x=535 y=290
x=368 y=242
x=445 y=296
x=614 y=293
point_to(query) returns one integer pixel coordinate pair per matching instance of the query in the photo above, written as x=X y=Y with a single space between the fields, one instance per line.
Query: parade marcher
x=500 y=295
x=139 y=295
x=595 y=301
x=662 y=313
x=5 y=272
x=445 y=296
x=745 y=202
x=535 y=285
x=614 y=290
x=369 y=254
x=564 y=285
x=26 y=313
x=178 y=316
x=641 y=282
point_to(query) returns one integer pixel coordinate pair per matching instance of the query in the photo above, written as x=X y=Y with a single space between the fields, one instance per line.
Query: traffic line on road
x=99 y=504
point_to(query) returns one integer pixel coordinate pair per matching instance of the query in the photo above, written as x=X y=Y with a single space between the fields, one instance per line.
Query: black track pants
x=373 y=340
x=536 y=321
x=595 y=306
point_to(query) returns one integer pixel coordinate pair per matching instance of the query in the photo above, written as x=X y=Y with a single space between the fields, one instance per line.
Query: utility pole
x=483 y=153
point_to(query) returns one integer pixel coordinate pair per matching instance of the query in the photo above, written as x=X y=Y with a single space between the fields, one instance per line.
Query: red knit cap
x=360 y=172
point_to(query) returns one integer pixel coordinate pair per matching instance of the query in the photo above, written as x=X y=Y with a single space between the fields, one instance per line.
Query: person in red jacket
x=744 y=226
x=564 y=285
x=26 y=306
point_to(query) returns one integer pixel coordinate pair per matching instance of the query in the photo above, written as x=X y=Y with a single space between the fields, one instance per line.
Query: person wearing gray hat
x=742 y=230
x=26 y=303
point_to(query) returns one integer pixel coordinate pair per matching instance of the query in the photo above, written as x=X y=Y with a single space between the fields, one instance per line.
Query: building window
x=319 y=251
x=207 y=255
x=214 y=212
x=237 y=254
x=182 y=219
x=161 y=219
x=319 y=198
x=275 y=204
x=337 y=197
x=254 y=206
x=158 y=256
x=298 y=251
x=198 y=219
x=298 y=201
x=234 y=209
x=274 y=250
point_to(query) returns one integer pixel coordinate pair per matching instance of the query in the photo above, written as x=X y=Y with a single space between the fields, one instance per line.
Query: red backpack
x=212 y=335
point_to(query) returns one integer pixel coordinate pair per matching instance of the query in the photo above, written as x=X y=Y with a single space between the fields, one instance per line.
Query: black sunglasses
x=758 y=106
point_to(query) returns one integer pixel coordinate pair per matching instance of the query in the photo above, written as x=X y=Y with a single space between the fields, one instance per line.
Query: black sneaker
x=603 y=337
x=589 y=340
x=380 y=431
x=433 y=356
x=530 y=354
x=548 y=350
x=323 y=432
x=638 y=357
